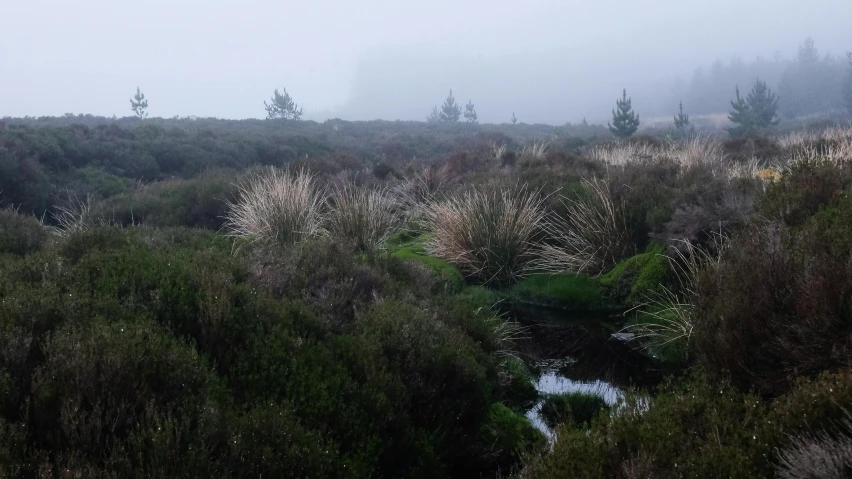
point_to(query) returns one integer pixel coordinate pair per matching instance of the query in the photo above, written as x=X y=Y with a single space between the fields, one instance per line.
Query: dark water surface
x=576 y=352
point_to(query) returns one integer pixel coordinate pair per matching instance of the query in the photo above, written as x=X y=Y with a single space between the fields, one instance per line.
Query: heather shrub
x=200 y=202
x=508 y=435
x=20 y=234
x=646 y=191
x=775 y=306
x=489 y=235
x=172 y=358
x=815 y=420
x=102 y=382
x=806 y=188
x=442 y=371
x=700 y=216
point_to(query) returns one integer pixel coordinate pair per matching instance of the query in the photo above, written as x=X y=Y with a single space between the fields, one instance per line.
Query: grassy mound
x=632 y=280
x=570 y=292
x=577 y=408
x=411 y=247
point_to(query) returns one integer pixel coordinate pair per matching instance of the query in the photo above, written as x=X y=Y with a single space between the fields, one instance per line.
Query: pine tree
x=681 y=120
x=683 y=128
x=450 y=111
x=624 y=121
x=282 y=106
x=433 y=117
x=754 y=114
x=470 y=113
x=139 y=104
x=847 y=87
x=514 y=118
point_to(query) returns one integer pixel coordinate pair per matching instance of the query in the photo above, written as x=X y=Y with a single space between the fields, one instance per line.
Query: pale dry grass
x=488 y=235
x=364 y=216
x=832 y=144
x=77 y=215
x=622 y=153
x=698 y=151
x=818 y=455
x=498 y=151
x=276 y=206
x=535 y=150
x=591 y=237
x=416 y=193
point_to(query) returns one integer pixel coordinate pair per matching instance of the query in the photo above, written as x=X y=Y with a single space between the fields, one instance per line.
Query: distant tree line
x=810 y=83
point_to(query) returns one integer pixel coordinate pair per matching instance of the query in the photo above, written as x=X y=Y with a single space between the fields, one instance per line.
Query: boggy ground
x=346 y=314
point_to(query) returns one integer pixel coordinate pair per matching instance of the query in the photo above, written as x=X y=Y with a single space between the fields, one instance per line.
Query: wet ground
x=570 y=352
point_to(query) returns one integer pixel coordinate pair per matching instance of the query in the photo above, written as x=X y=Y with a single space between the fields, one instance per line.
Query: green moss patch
x=574 y=292
x=632 y=280
x=408 y=246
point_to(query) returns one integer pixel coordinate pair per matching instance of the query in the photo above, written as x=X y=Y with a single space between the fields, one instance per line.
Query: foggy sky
x=547 y=61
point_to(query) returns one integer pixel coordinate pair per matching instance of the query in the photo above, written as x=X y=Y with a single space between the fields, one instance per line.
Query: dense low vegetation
x=204 y=298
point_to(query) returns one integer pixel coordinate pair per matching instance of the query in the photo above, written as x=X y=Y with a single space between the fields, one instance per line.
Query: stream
x=576 y=352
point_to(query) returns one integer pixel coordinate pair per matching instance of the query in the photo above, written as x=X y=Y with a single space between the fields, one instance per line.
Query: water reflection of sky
x=551 y=382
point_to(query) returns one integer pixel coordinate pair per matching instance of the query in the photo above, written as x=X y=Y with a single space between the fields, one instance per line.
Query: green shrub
x=123 y=376
x=20 y=234
x=767 y=312
x=509 y=435
x=200 y=202
x=271 y=441
x=809 y=186
x=646 y=190
x=519 y=388
x=577 y=408
x=102 y=183
x=442 y=369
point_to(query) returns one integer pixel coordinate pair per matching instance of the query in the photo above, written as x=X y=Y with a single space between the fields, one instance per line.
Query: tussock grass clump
x=666 y=318
x=577 y=408
x=498 y=150
x=364 y=216
x=277 y=206
x=590 y=237
x=535 y=150
x=77 y=215
x=818 y=455
x=420 y=190
x=488 y=235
